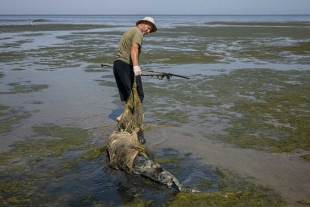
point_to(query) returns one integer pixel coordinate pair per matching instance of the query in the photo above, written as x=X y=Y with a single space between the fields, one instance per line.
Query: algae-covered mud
x=237 y=130
x=69 y=169
x=263 y=109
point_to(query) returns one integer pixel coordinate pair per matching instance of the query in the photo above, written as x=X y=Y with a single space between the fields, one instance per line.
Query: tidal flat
x=237 y=129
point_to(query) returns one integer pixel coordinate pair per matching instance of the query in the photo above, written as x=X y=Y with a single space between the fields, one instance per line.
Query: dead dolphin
x=128 y=154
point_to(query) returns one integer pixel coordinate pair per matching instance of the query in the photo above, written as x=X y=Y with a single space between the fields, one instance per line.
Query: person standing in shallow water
x=126 y=63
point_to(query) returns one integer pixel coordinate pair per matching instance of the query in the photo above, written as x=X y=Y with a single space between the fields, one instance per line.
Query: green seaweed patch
x=49 y=27
x=173 y=160
x=96 y=60
x=18 y=88
x=306 y=157
x=32 y=34
x=1 y=75
x=263 y=109
x=15 y=191
x=234 y=191
x=70 y=165
x=138 y=202
x=207 y=182
x=271 y=108
x=67 y=137
x=10 y=116
x=18 y=69
x=94 y=153
x=223 y=174
x=35 y=160
x=106 y=83
x=178 y=116
x=20 y=149
x=96 y=68
x=16 y=43
x=37 y=102
x=18 y=169
x=9 y=57
x=304 y=202
x=179 y=57
x=89 y=198
x=251 y=197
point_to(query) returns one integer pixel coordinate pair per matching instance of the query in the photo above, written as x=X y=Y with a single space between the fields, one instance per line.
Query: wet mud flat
x=72 y=170
x=202 y=140
x=244 y=110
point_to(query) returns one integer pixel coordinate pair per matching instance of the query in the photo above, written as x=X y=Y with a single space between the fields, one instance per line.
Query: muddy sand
x=287 y=173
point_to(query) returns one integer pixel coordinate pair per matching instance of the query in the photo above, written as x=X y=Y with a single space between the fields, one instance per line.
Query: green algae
x=173 y=160
x=273 y=52
x=19 y=168
x=107 y=82
x=16 y=44
x=9 y=57
x=260 y=108
x=18 y=69
x=89 y=198
x=95 y=68
x=1 y=75
x=176 y=57
x=35 y=160
x=15 y=192
x=306 y=157
x=266 y=24
x=94 y=153
x=234 y=191
x=49 y=27
x=70 y=165
x=277 y=119
x=18 y=88
x=16 y=189
x=304 y=202
x=174 y=115
x=138 y=202
x=37 y=102
x=17 y=184
x=65 y=138
x=10 y=116
x=252 y=197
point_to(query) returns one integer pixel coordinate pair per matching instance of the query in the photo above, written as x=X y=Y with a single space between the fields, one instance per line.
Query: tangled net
x=127 y=140
x=127 y=150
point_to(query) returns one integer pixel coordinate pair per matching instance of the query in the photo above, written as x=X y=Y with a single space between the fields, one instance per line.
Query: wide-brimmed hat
x=150 y=20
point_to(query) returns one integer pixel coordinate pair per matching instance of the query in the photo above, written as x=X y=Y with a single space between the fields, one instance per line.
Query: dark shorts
x=124 y=77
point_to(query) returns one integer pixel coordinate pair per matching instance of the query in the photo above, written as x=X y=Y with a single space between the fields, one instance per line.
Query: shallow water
x=207 y=49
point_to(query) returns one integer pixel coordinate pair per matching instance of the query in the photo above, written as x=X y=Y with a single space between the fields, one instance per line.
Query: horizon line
x=170 y=14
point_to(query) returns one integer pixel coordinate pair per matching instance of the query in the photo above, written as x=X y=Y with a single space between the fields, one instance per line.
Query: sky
x=206 y=7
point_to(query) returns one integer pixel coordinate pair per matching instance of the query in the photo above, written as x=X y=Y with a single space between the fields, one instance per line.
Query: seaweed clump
x=65 y=138
x=10 y=116
x=18 y=88
x=233 y=191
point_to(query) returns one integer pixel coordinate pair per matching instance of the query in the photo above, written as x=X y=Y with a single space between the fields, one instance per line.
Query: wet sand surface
x=287 y=173
x=93 y=109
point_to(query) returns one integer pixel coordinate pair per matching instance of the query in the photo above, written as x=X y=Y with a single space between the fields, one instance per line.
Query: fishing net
x=127 y=150
x=127 y=140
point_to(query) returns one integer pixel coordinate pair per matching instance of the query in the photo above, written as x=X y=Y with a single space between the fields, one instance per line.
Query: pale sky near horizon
x=208 y=7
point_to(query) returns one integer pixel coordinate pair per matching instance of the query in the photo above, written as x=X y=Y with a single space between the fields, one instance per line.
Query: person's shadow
x=115 y=113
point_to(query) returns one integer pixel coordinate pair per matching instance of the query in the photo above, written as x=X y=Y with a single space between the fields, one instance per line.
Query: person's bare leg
x=119 y=117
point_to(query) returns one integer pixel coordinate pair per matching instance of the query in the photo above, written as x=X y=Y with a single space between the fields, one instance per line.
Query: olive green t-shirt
x=133 y=35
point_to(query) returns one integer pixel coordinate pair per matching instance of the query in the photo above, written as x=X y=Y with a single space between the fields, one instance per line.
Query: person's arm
x=135 y=58
x=134 y=53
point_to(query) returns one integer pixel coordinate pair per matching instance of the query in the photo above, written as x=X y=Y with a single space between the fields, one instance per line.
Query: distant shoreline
x=154 y=14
